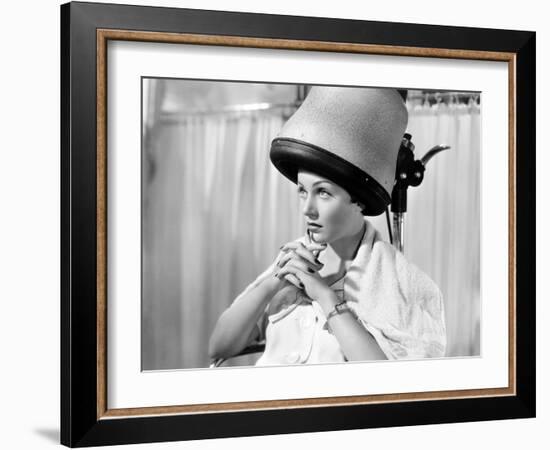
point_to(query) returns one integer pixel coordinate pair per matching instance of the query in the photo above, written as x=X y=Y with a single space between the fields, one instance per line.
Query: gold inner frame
x=103 y=36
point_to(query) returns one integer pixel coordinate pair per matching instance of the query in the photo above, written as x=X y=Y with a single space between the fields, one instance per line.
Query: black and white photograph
x=288 y=224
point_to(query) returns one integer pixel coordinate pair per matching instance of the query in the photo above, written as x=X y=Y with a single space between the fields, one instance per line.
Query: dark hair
x=403 y=93
x=354 y=200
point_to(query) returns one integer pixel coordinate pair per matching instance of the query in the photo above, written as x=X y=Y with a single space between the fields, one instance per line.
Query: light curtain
x=215 y=212
x=442 y=233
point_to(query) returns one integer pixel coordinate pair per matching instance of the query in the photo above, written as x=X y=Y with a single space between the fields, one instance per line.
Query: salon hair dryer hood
x=349 y=135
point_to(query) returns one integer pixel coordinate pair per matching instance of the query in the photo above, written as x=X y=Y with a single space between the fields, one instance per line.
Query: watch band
x=339 y=308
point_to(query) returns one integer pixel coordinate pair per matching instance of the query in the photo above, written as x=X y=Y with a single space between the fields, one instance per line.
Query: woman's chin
x=319 y=236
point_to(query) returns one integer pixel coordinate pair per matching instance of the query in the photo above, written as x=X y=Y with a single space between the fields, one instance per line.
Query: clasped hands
x=300 y=266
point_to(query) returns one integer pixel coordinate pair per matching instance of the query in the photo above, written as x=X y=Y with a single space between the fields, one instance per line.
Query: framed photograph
x=278 y=224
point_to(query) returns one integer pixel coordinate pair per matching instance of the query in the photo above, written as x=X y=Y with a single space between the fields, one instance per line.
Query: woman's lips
x=313 y=227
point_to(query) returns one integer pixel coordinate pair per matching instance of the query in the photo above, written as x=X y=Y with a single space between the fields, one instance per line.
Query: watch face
x=341 y=307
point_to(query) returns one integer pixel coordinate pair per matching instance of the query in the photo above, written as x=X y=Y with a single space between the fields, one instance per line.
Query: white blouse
x=296 y=330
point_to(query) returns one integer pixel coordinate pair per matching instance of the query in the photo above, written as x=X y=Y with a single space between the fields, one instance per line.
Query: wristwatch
x=339 y=308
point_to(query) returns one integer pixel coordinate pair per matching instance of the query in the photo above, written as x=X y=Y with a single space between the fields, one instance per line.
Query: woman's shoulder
x=410 y=276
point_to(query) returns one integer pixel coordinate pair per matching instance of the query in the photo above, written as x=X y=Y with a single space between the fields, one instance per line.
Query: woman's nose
x=309 y=208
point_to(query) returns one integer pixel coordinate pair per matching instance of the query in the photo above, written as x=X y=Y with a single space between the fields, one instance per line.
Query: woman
x=340 y=293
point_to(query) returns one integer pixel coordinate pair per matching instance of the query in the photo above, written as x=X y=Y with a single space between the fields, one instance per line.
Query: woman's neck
x=346 y=248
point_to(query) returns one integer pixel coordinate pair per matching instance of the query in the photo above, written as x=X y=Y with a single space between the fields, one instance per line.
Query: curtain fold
x=442 y=234
x=216 y=211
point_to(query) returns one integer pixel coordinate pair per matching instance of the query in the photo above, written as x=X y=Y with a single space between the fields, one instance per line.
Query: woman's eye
x=301 y=192
x=324 y=194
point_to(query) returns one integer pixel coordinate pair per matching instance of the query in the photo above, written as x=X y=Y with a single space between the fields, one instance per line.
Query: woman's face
x=328 y=210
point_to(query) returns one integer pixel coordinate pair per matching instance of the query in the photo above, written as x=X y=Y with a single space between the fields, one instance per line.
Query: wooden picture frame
x=86 y=418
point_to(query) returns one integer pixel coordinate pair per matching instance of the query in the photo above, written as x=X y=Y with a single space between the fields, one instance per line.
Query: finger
x=314 y=245
x=287 y=257
x=290 y=276
x=310 y=256
x=306 y=252
x=297 y=244
x=309 y=261
x=279 y=260
x=293 y=276
x=293 y=279
x=300 y=265
x=290 y=269
x=316 y=251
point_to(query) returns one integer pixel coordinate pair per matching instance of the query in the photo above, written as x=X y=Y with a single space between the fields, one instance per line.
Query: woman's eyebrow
x=317 y=182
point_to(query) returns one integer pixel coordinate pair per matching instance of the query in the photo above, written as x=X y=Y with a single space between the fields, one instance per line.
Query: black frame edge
x=65 y=391
x=79 y=230
x=525 y=222
x=271 y=422
x=236 y=23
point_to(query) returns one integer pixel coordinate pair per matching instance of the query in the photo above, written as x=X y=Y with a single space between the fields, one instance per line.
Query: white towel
x=397 y=302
